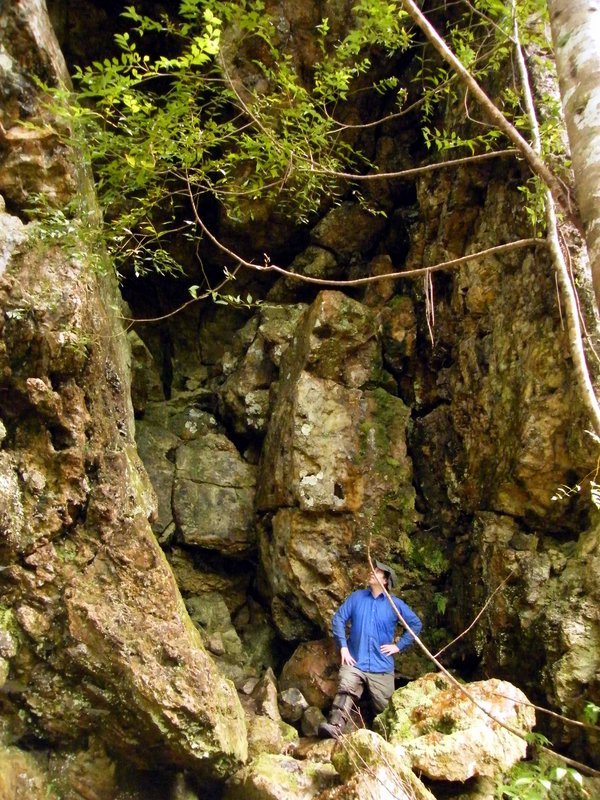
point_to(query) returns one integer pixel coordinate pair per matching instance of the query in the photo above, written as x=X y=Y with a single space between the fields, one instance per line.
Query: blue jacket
x=372 y=623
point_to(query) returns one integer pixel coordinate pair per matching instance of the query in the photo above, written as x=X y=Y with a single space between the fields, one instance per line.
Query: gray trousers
x=380 y=685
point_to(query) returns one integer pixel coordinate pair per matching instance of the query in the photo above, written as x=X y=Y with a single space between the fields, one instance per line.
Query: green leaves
x=536 y=781
x=187 y=126
x=591 y=713
x=450 y=140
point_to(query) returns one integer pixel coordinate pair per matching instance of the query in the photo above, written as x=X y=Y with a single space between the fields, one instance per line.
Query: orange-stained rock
x=313 y=669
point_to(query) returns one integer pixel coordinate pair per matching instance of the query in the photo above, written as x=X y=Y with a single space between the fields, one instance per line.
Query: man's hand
x=389 y=649
x=347 y=659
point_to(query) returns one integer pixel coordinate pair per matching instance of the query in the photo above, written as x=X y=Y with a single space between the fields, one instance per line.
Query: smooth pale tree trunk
x=576 y=38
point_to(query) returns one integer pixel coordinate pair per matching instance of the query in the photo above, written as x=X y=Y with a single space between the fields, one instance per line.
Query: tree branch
x=533 y=159
x=409 y=273
x=478 y=616
x=568 y=290
x=410 y=173
x=461 y=688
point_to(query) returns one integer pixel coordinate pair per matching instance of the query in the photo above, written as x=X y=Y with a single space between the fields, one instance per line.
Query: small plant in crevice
x=565 y=492
x=532 y=780
x=591 y=713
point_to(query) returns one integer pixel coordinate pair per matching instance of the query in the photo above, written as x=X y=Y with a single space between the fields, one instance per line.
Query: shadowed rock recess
x=184 y=503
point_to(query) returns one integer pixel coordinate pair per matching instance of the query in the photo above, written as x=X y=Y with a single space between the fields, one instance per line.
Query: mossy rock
x=266 y=735
x=280 y=777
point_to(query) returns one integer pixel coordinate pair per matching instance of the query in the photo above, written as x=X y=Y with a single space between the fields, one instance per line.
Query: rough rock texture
x=498 y=427
x=213 y=495
x=373 y=769
x=98 y=639
x=204 y=487
x=334 y=466
x=252 y=366
x=292 y=704
x=277 y=777
x=21 y=777
x=439 y=421
x=449 y=736
x=313 y=670
x=266 y=735
x=552 y=608
x=211 y=616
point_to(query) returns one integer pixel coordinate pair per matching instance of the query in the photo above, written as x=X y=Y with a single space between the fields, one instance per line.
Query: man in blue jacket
x=367 y=655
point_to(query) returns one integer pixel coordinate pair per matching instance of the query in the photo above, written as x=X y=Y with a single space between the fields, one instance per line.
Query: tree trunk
x=576 y=38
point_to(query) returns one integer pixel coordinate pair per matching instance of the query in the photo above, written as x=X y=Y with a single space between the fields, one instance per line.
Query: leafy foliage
x=591 y=713
x=172 y=132
x=531 y=780
x=176 y=134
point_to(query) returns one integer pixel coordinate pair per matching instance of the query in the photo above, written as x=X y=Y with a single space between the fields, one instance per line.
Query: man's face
x=378 y=578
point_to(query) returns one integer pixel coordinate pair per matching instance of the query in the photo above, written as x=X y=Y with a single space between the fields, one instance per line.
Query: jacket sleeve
x=339 y=622
x=413 y=622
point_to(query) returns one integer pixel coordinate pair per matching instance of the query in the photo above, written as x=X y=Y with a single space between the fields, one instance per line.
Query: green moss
x=293 y=776
x=392 y=726
x=10 y=630
x=288 y=732
x=445 y=724
x=428 y=555
x=387 y=422
x=389 y=411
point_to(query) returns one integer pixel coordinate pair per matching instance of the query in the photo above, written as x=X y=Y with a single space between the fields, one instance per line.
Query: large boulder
x=334 y=468
x=302 y=578
x=313 y=670
x=213 y=495
x=205 y=489
x=452 y=735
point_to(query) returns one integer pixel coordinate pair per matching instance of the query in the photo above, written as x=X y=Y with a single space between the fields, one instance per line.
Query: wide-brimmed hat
x=389 y=572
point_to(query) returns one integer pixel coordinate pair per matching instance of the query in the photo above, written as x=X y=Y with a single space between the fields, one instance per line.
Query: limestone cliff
x=96 y=644
x=432 y=421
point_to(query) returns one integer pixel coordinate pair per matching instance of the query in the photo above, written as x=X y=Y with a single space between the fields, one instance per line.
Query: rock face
x=20 y=777
x=433 y=424
x=94 y=632
x=552 y=609
x=334 y=468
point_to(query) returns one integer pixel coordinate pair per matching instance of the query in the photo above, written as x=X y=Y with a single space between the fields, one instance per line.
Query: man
x=367 y=655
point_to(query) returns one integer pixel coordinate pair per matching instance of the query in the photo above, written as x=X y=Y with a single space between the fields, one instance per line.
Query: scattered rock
x=266 y=735
x=312 y=673
x=311 y=719
x=292 y=704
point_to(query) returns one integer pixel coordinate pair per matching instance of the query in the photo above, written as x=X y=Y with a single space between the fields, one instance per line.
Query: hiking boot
x=328 y=730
